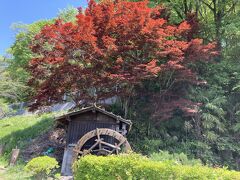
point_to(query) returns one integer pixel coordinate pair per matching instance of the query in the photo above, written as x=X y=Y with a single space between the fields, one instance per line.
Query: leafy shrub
x=134 y=166
x=174 y=158
x=42 y=167
x=147 y=146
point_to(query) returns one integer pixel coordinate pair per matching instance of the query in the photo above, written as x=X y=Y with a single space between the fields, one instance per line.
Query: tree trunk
x=197 y=122
x=218 y=26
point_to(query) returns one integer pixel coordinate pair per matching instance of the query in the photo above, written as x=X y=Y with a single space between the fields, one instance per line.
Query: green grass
x=18 y=131
x=15 y=173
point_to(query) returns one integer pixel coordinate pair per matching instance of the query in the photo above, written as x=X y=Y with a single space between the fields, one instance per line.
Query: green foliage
x=42 y=167
x=232 y=37
x=147 y=146
x=219 y=119
x=211 y=135
x=9 y=88
x=175 y=158
x=68 y=14
x=21 y=53
x=138 y=167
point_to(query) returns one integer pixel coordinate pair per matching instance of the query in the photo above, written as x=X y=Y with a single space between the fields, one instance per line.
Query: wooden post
x=1 y=150
x=15 y=154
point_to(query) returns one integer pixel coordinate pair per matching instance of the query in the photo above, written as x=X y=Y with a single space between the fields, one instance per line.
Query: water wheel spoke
x=93 y=146
x=95 y=150
x=117 y=150
x=106 y=150
x=98 y=137
x=103 y=149
x=110 y=145
x=87 y=151
x=118 y=146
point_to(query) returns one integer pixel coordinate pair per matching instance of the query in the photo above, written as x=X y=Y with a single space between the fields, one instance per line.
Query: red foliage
x=111 y=46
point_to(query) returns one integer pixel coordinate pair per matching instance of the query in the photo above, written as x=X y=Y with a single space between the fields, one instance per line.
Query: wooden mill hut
x=89 y=126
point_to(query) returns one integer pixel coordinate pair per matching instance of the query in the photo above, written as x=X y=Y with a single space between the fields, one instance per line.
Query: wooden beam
x=14 y=157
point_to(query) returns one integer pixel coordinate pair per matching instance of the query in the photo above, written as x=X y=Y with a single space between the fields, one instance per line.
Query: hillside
x=20 y=131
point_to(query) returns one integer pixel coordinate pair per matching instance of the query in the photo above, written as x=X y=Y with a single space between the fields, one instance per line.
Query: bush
x=147 y=146
x=134 y=166
x=174 y=158
x=42 y=167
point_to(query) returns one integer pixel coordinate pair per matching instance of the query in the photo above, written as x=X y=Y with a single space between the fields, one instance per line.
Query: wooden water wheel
x=102 y=141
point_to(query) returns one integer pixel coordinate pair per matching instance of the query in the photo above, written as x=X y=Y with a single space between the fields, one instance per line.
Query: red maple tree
x=111 y=47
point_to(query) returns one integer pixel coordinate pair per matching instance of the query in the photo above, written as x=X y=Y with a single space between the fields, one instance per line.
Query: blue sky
x=28 y=11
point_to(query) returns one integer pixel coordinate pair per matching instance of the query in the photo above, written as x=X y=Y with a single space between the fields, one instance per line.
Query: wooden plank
x=66 y=169
x=14 y=157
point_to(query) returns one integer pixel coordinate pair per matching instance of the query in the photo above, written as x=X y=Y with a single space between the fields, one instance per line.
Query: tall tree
x=220 y=9
x=112 y=47
x=10 y=90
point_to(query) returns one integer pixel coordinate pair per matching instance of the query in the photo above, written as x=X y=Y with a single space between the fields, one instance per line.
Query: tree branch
x=208 y=5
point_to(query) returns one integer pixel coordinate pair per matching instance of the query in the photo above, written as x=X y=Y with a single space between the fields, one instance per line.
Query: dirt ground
x=54 y=140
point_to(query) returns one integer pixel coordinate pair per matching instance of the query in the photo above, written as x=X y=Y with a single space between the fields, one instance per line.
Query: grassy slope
x=19 y=131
